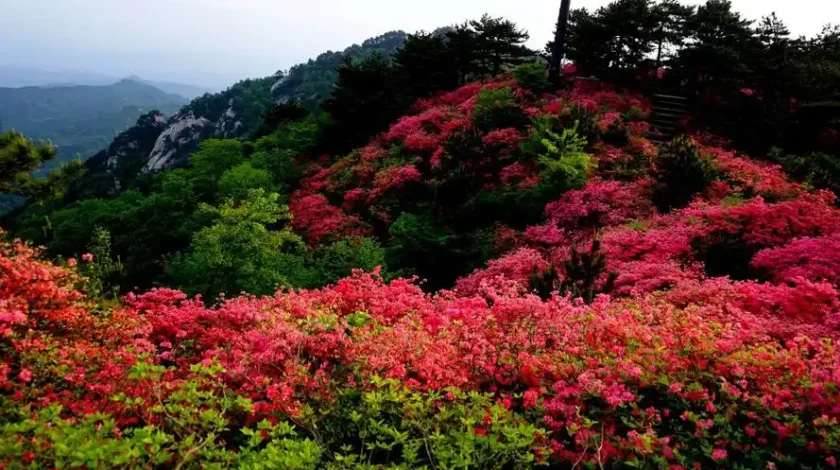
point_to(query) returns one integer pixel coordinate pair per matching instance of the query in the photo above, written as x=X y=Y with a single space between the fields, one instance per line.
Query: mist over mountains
x=19 y=77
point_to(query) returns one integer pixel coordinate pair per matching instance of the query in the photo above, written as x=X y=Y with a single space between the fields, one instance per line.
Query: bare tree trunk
x=559 y=49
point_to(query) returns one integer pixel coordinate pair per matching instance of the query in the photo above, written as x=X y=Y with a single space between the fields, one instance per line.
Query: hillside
x=81 y=119
x=448 y=260
x=648 y=306
x=181 y=89
x=238 y=111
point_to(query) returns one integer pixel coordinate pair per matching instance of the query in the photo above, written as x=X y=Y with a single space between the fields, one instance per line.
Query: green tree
x=670 y=33
x=720 y=47
x=212 y=159
x=498 y=44
x=586 y=273
x=338 y=260
x=239 y=180
x=365 y=100
x=19 y=156
x=245 y=250
x=426 y=64
x=616 y=38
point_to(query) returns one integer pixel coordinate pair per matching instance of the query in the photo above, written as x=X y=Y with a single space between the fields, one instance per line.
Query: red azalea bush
x=697 y=377
x=810 y=258
x=709 y=340
x=452 y=140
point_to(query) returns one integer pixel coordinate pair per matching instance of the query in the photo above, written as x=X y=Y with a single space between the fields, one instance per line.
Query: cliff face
x=233 y=113
x=138 y=139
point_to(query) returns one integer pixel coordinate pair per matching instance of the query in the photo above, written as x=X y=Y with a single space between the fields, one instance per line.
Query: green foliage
x=565 y=164
x=398 y=428
x=236 y=182
x=586 y=273
x=680 y=173
x=532 y=76
x=420 y=242
x=104 y=273
x=365 y=99
x=720 y=44
x=426 y=55
x=490 y=44
x=373 y=92
x=241 y=251
x=817 y=169
x=280 y=114
x=18 y=157
x=498 y=109
x=338 y=260
x=621 y=36
x=213 y=158
x=45 y=439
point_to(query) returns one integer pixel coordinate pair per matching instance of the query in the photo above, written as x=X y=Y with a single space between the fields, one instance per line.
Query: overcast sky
x=217 y=42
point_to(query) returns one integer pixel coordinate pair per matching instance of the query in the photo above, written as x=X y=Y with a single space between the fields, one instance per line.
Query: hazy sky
x=216 y=42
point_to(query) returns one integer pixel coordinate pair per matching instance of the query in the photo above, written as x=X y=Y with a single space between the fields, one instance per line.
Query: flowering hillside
x=647 y=307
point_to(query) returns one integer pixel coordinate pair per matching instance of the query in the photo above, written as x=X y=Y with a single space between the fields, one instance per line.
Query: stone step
x=668 y=110
x=667 y=116
x=670 y=97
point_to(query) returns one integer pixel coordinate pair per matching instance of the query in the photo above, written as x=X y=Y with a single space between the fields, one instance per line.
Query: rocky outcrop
x=137 y=140
x=233 y=113
x=183 y=131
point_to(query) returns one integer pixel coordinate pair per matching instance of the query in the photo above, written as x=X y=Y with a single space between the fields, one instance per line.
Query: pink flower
x=529 y=399
x=25 y=375
x=87 y=257
x=71 y=262
x=719 y=454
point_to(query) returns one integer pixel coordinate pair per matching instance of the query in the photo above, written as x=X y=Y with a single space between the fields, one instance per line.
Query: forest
x=451 y=260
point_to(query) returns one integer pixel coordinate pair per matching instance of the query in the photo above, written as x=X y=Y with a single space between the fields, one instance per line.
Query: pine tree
x=586 y=273
x=18 y=157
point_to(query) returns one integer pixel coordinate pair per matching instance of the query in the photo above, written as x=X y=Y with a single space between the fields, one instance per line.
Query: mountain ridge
x=238 y=110
x=81 y=119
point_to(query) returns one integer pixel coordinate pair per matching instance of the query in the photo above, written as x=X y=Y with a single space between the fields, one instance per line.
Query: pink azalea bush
x=698 y=377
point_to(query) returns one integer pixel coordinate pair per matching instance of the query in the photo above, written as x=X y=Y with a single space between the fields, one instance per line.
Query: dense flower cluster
x=449 y=140
x=709 y=339
x=692 y=378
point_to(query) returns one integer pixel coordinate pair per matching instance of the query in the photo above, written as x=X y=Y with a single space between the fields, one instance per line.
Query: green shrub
x=498 y=109
x=565 y=164
x=681 y=173
x=532 y=76
x=817 y=169
x=338 y=260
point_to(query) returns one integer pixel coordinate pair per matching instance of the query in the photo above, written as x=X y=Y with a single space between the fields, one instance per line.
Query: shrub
x=497 y=108
x=681 y=173
x=367 y=373
x=339 y=259
x=532 y=76
x=565 y=164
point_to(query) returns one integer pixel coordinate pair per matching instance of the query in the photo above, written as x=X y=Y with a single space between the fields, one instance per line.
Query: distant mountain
x=19 y=77
x=16 y=77
x=81 y=119
x=235 y=112
x=187 y=91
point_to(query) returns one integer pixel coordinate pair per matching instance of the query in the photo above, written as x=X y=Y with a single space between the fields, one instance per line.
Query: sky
x=215 y=43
